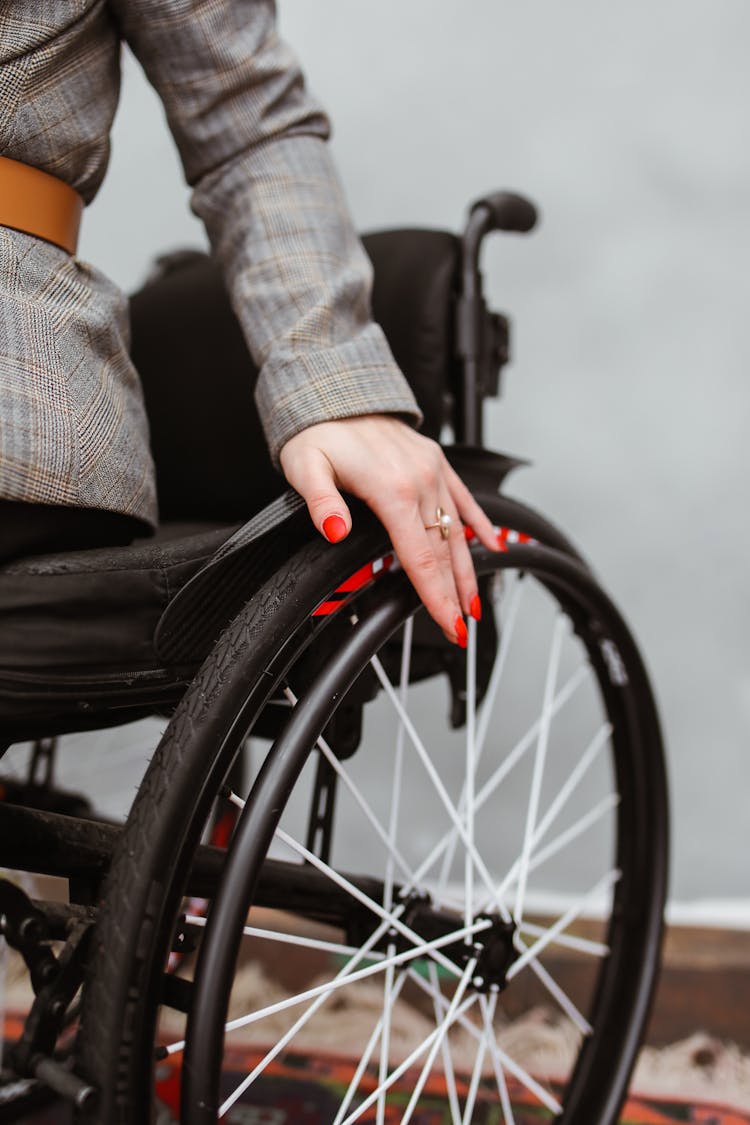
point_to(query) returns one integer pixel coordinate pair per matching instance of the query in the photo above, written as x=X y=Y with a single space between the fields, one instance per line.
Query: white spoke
x=488 y=705
x=385 y=1039
x=439 y=787
x=506 y=626
x=432 y=1041
x=398 y=764
x=320 y=994
x=342 y=978
x=539 y=763
x=406 y=1064
x=563 y=922
x=589 y=756
x=332 y=986
x=442 y=1002
x=511 y=760
x=367 y=1053
x=582 y=945
x=471 y=703
x=592 y=817
x=582 y=673
x=500 y=1058
x=488 y=1012
x=475 y=1077
x=450 y=1077
x=339 y=770
x=443 y=1031
x=287 y=939
x=391 y=917
x=558 y=994
x=504 y=1061
x=599 y=740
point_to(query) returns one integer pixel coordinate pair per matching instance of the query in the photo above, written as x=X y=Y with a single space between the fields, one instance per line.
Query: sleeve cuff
x=354 y=378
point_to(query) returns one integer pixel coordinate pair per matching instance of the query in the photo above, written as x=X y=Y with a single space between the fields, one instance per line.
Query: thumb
x=312 y=476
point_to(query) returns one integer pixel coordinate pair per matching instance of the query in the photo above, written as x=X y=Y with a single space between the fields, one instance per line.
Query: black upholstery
x=198 y=376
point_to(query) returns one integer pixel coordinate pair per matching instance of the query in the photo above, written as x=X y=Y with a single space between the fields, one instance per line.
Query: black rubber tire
x=149 y=871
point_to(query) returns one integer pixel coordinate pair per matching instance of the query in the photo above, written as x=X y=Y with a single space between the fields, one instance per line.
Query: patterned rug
x=303 y=1090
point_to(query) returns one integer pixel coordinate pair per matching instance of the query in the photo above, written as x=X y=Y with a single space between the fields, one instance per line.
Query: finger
x=430 y=572
x=470 y=511
x=311 y=474
x=462 y=564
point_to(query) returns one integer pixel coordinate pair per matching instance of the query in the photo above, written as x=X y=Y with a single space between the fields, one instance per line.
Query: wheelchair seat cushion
x=89 y=617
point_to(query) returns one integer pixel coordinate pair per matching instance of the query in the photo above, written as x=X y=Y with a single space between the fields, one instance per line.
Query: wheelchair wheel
x=475 y=905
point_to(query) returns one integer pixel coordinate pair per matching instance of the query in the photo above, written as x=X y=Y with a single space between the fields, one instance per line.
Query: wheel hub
x=492 y=946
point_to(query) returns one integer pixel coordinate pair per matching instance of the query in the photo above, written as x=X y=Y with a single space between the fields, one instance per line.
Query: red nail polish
x=468 y=532
x=459 y=627
x=475 y=608
x=334 y=528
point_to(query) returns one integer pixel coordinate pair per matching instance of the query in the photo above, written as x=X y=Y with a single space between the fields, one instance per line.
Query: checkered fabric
x=253 y=146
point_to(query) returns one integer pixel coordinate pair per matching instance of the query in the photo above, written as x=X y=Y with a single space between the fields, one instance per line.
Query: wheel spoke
x=431 y=1043
x=398 y=765
x=287 y=939
x=469 y=778
x=581 y=945
x=563 y=696
x=559 y=995
x=592 y=817
x=437 y=783
x=508 y=625
x=563 y=922
x=488 y=1014
x=392 y=918
x=420 y=950
x=512 y=759
x=385 y=1038
x=475 y=1077
x=450 y=1077
x=377 y=1033
x=442 y=1032
x=503 y=1061
x=589 y=756
x=488 y=705
x=539 y=763
x=391 y=850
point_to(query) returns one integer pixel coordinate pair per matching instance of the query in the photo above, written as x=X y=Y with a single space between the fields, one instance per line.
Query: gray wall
x=629 y=125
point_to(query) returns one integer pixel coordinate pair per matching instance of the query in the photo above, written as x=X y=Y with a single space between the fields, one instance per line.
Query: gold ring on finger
x=442 y=523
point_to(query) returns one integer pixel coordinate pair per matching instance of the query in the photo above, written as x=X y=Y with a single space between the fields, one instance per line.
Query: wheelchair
x=457 y=841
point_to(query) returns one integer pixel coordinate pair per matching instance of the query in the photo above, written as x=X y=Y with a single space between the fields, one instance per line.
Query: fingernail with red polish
x=468 y=532
x=459 y=628
x=334 y=528
x=475 y=608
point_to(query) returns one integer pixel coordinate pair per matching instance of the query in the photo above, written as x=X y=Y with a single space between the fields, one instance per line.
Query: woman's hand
x=404 y=477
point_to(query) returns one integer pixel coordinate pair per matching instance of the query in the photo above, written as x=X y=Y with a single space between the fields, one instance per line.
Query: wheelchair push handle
x=501 y=210
x=483 y=337
x=505 y=210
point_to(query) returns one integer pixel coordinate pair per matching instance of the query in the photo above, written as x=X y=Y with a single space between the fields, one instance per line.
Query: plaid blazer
x=252 y=143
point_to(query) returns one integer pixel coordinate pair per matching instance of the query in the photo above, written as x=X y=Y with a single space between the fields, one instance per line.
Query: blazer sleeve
x=253 y=146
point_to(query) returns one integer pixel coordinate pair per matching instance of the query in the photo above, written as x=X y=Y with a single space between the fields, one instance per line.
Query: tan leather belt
x=36 y=203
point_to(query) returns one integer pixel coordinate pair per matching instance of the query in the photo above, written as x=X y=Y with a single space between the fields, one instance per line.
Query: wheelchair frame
x=63 y=841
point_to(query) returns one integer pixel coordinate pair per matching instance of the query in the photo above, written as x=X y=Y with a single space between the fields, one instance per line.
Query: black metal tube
x=51 y=844
x=63 y=1082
